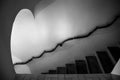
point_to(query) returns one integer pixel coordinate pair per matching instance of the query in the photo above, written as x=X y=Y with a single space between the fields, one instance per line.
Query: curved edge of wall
x=9 y=9
x=116 y=69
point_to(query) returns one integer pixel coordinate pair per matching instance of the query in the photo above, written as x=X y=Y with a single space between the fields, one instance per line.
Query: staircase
x=94 y=67
x=101 y=63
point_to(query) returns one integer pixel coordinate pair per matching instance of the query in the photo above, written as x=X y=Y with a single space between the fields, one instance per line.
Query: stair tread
x=52 y=71
x=61 y=70
x=70 y=69
x=115 y=51
x=81 y=67
x=44 y=73
x=93 y=65
x=105 y=61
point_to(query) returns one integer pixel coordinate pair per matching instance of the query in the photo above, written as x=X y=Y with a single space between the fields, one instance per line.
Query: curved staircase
x=94 y=67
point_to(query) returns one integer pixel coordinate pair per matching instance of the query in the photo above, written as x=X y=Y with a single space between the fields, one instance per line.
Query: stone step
x=105 y=61
x=93 y=65
x=61 y=70
x=71 y=69
x=81 y=67
x=115 y=52
x=52 y=72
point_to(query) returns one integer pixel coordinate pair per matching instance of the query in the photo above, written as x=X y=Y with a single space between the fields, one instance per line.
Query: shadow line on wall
x=115 y=18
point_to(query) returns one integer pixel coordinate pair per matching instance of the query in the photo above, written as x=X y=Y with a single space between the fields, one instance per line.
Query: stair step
x=44 y=73
x=93 y=65
x=81 y=67
x=71 y=69
x=105 y=61
x=52 y=72
x=61 y=70
x=115 y=51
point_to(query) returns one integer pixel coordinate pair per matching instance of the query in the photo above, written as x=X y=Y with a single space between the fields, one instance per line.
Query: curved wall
x=9 y=9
